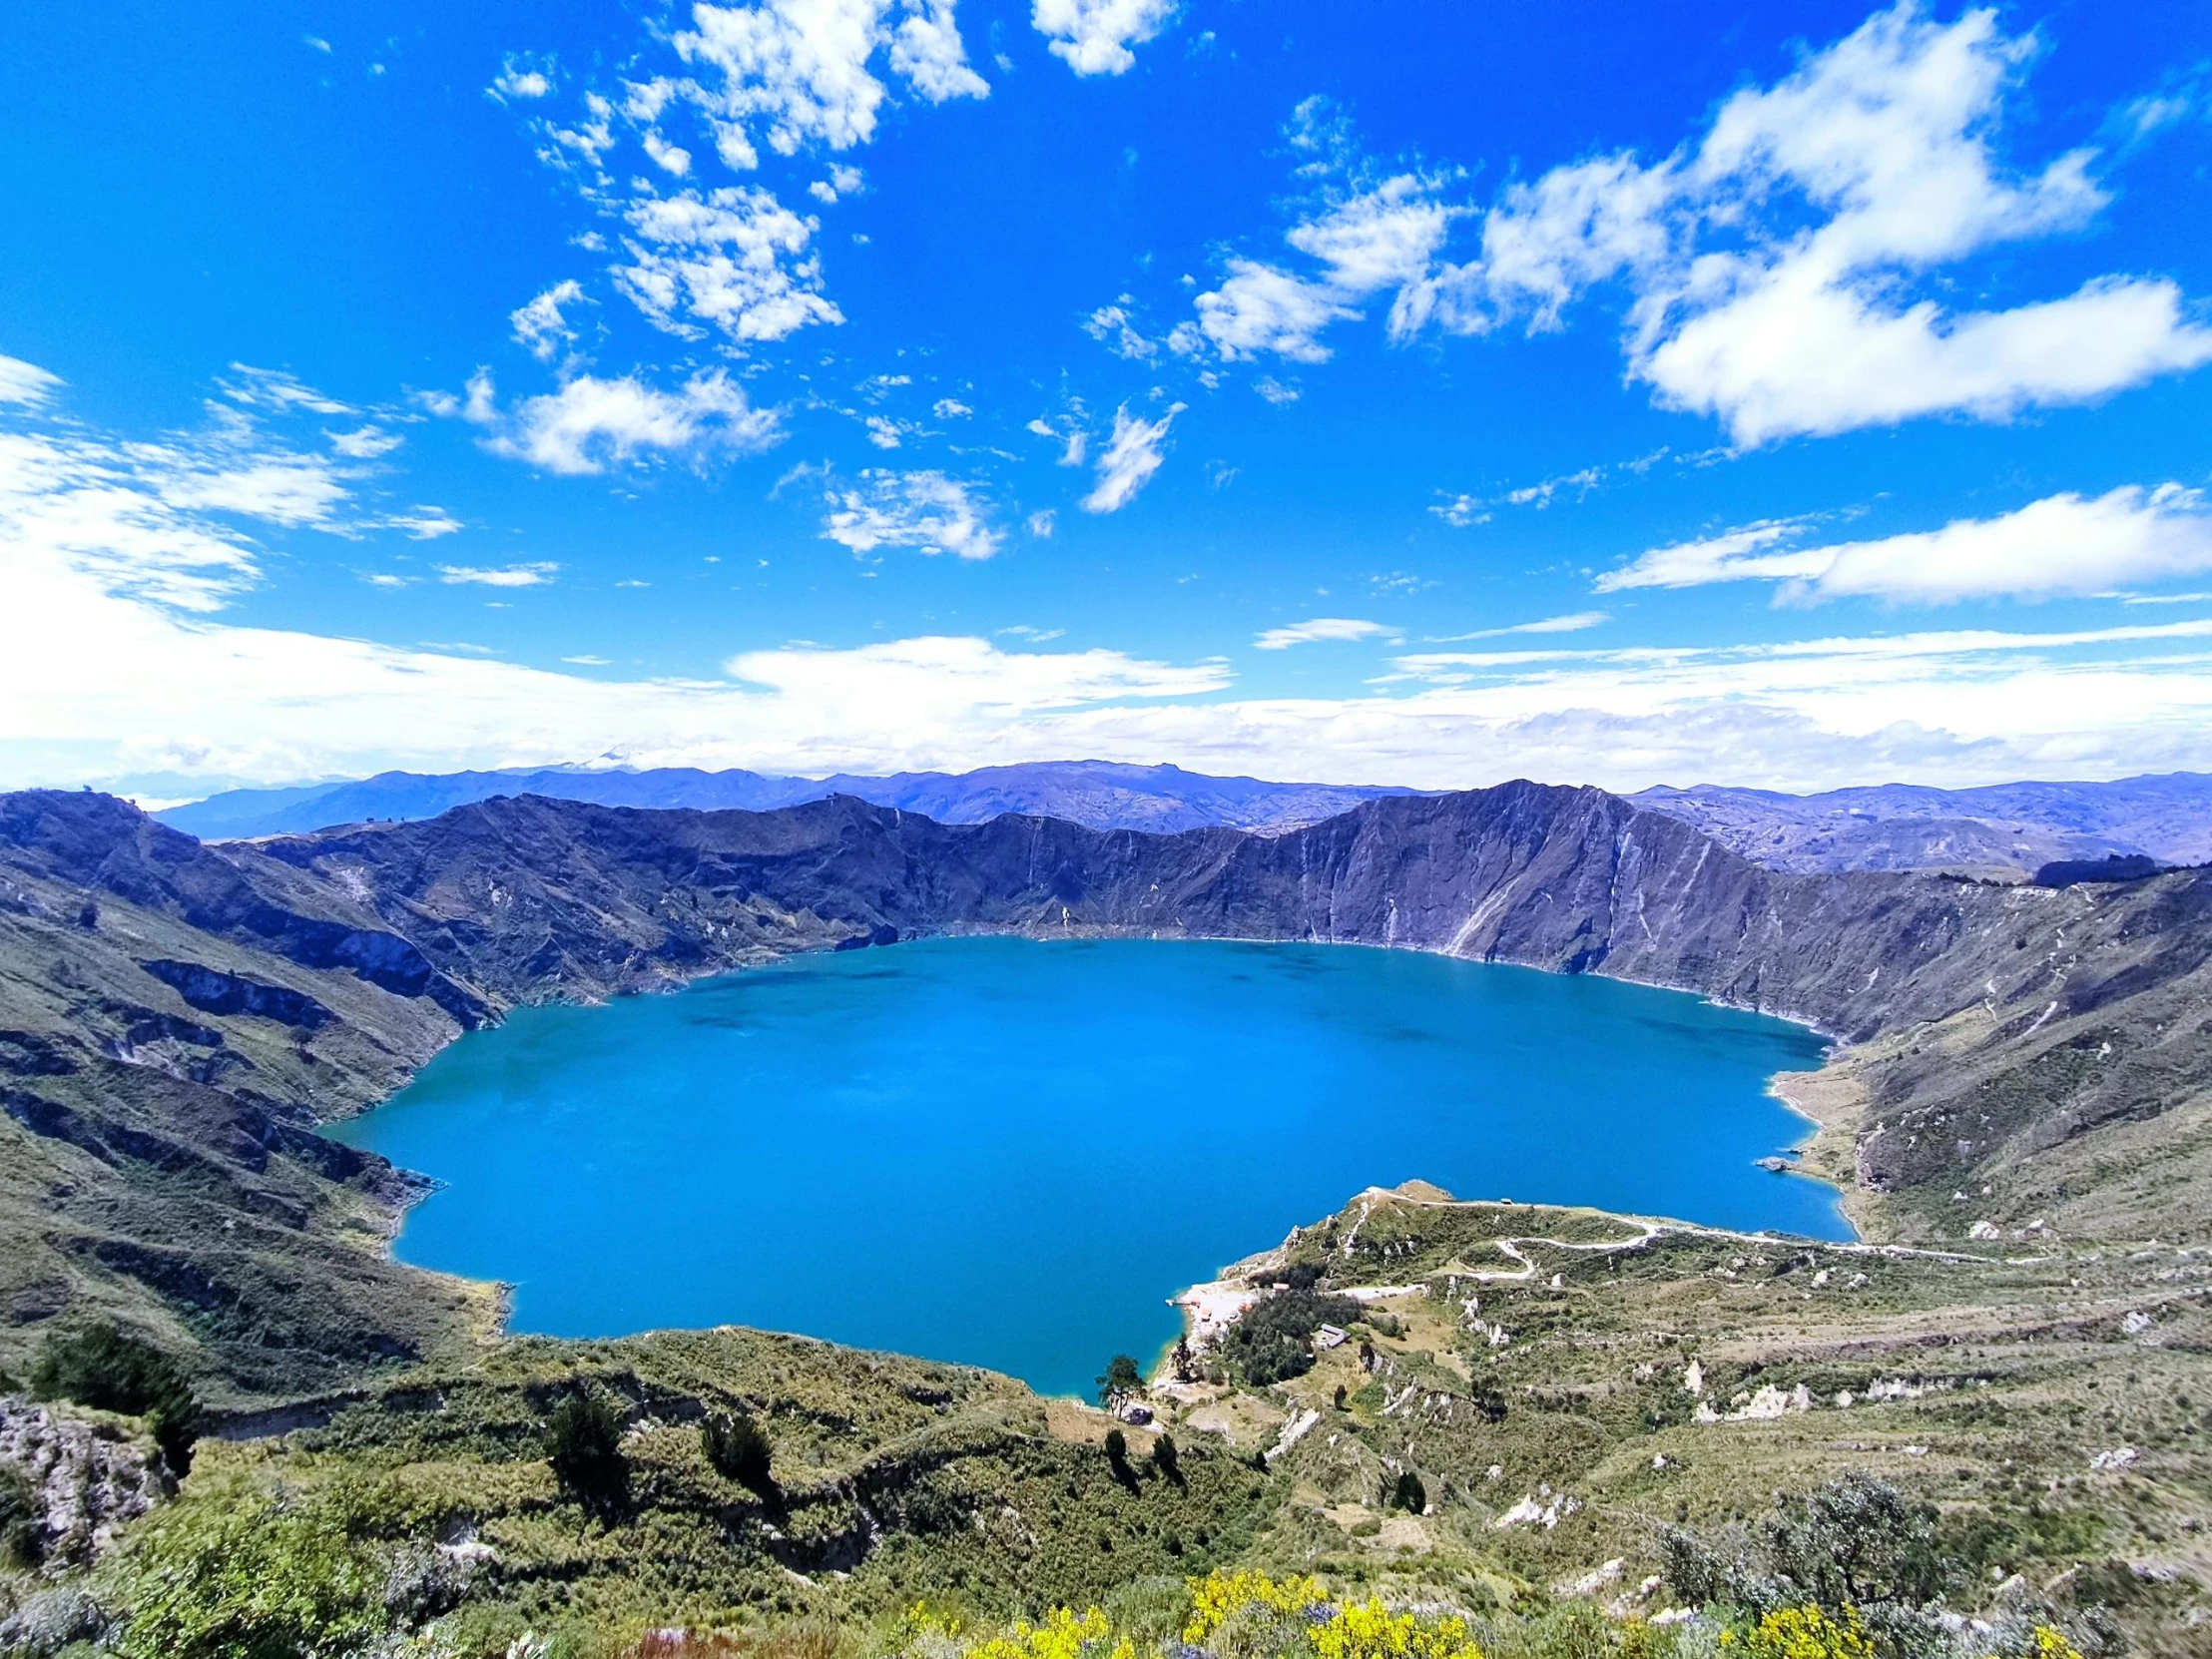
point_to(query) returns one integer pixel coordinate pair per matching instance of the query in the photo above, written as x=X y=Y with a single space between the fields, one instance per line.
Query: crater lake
x=1009 y=1153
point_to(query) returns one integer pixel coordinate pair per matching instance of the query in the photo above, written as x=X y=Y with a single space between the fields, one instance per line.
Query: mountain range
x=1892 y=826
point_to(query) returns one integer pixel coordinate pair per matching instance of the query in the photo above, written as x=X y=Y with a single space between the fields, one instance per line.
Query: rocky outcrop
x=86 y=1476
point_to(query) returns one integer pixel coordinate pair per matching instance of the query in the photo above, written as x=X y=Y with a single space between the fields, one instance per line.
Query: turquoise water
x=1009 y=1153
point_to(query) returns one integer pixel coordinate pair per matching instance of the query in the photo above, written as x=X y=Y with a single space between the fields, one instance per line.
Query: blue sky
x=1786 y=395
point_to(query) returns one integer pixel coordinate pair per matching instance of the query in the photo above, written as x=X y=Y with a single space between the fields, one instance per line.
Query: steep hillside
x=178 y=1015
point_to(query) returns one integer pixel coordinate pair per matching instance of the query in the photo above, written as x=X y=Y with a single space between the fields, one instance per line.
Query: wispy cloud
x=1322 y=628
x=499 y=576
x=1573 y=624
x=1132 y=456
x=2062 y=544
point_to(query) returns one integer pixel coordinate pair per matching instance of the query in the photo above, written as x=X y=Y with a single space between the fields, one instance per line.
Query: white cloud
x=586 y=661
x=423 y=523
x=1573 y=624
x=796 y=71
x=540 y=328
x=884 y=432
x=1459 y=511
x=364 y=443
x=1262 y=308
x=1111 y=325
x=1773 y=264
x=1133 y=454
x=2062 y=544
x=519 y=78
x=274 y=391
x=735 y=258
x=25 y=383
x=593 y=424
x=120 y=665
x=1042 y=523
x=1093 y=37
x=1322 y=628
x=926 y=510
x=501 y=576
x=671 y=159
x=950 y=408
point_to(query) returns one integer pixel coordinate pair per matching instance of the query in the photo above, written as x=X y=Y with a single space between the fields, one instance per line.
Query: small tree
x=584 y=1445
x=1164 y=1457
x=1117 y=1447
x=738 y=1447
x=1339 y=1396
x=1119 y=1377
x=112 y=1370
x=1409 y=1493
x=1186 y=1362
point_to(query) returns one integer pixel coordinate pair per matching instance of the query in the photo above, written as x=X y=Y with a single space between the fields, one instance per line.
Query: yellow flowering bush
x=1219 y=1596
x=2051 y=1643
x=1368 y=1630
x=1803 y=1633
x=1064 y=1634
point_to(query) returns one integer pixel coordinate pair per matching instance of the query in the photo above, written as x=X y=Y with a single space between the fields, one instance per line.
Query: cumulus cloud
x=520 y=78
x=540 y=328
x=735 y=258
x=796 y=71
x=1773 y=264
x=926 y=510
x=1133 y=454
x=1093 y=37
x=2062 y=544
x=1321 y=628
x=593 y=424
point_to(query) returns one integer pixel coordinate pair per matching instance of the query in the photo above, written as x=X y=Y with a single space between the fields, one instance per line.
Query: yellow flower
x=1062 y=1635
x=2051 y=1643
x=1219 y=1595
x=1371 y=1631
x=1804 y=1633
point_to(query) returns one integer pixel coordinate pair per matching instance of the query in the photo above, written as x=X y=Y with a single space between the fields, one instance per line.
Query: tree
x=1409 y=1493
x=1164 y=1456
x=1186 y=1362
x=1340 y=1399
x=112 y=1370
x=1120 y=1376
x=584 y=1445
x=736 y=1447
x=1117 y=1447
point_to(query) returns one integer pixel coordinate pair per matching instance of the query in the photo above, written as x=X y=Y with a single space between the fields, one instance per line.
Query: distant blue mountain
x=1997 y=826
x=1100 y=794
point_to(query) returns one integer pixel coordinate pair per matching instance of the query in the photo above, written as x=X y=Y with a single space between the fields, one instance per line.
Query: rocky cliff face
x=2005 y=1031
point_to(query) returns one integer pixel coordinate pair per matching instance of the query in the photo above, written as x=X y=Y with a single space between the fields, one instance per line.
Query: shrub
x=1164 y=1456
x=584 y=1445
x=739 y=1450
x=238 y=1576
x=22 y=1526
x=1408 y=1493
x=112 y=1370
x=1117 y=1447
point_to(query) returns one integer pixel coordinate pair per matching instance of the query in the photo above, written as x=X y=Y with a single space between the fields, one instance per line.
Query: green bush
x=1408 y=1494
x=112 y=1370
x=584 y=1445
x=238 y=1576
x=738 y=1447
x=1165 y=1457
x=22 y=1528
